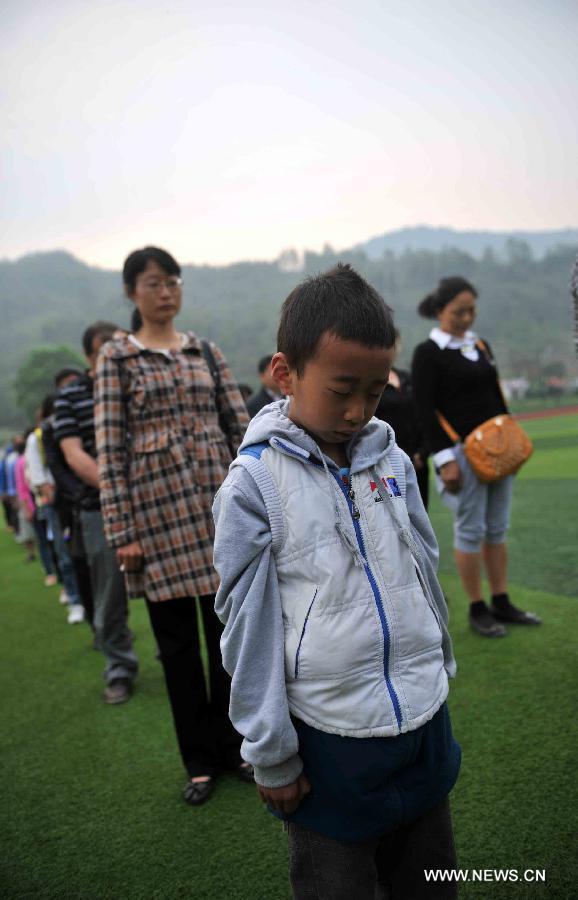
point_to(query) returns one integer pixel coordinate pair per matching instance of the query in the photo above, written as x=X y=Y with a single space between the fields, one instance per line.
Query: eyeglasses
x=155 y=285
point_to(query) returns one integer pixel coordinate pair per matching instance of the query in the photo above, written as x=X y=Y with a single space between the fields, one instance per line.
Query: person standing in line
x=245 y=390
x=454 y=374
x=168 y=413
x=44 y=489
x=68 y=488
x=26 y=506
x=397 y=408
x=7 y=487
x=269 y=388
x=574 y=295
x=9 y=495
x=74 y=431
x=336 y=627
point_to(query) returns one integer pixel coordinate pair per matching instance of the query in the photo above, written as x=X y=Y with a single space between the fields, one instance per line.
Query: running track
x=547 y=413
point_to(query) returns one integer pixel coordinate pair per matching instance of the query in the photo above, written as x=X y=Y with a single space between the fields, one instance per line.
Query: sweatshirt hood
x=272 y=424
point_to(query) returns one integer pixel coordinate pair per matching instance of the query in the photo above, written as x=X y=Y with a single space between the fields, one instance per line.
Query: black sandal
x=196 y=793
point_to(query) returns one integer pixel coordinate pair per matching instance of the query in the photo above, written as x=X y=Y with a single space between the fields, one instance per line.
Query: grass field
x=90 y=794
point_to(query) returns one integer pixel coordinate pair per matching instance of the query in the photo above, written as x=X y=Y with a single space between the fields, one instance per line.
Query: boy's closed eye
x=373 y=395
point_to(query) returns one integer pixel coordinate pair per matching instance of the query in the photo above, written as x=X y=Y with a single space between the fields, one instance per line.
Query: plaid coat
x=162 y=457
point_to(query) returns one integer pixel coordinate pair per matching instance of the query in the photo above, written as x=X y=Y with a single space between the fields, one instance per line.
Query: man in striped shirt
x=74 y=431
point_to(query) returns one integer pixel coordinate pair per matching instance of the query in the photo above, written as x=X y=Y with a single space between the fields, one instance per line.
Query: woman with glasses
x=454 y=374
x=168 y=416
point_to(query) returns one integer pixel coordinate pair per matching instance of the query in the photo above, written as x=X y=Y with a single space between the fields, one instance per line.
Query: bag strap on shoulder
x=211 y=362
x=213 y=368
x=486 y=351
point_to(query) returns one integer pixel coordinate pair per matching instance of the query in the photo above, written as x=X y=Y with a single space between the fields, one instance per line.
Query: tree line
x=47 y=300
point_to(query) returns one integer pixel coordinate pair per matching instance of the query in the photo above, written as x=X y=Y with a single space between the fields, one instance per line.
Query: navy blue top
x=363 y=788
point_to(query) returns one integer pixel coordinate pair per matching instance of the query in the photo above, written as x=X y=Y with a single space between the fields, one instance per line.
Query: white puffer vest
x=363 y=654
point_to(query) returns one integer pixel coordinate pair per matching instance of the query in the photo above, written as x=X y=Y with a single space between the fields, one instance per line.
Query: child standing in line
x=336 y=627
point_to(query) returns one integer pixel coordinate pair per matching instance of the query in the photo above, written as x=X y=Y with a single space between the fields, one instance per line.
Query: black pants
x=391 y=868
x=207 y=740
x=10 y=513
x=423 y=483
x=82 y=572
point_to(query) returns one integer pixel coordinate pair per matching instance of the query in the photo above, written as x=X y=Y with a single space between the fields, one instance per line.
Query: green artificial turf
x=90 y=804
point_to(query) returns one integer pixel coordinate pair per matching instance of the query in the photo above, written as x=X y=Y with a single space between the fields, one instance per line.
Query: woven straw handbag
x=496 y=448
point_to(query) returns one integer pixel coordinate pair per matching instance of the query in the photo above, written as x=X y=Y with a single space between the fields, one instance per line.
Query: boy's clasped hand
x=285 y=799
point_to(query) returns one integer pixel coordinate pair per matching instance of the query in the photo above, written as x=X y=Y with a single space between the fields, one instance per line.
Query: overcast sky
x=227 y=131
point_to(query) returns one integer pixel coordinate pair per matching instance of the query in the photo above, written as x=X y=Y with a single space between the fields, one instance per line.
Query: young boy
x=336 y=627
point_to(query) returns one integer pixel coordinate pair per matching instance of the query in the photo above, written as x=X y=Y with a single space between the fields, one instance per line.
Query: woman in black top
x=454 y=374
x=398 y=409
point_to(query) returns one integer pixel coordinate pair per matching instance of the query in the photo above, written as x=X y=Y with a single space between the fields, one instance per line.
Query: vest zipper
x=354 y=510
x=355 y=515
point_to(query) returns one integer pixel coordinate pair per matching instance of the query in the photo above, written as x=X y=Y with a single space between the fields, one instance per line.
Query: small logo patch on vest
x=391 y=486
x=377 y=498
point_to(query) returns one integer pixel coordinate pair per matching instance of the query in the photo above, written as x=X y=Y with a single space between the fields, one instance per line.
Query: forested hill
x=426 y=237
x=524 y=306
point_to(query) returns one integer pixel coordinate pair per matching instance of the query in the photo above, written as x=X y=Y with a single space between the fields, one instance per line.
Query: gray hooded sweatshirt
x=331 y=605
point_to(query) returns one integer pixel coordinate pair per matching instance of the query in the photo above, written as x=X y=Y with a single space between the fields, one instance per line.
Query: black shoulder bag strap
x=213 y=367
x=212 y=364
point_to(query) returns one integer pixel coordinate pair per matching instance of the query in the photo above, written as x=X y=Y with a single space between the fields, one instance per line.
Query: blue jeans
x=43 y=541
x=110 y=602
x=67 y=573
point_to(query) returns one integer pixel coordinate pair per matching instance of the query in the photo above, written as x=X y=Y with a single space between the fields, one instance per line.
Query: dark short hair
x=264 y=363
x=137 y=261
x=446 y=291
x=47 y=406
x=245 y=389
x=66 y=373
x=338 y=302
x=103 y=330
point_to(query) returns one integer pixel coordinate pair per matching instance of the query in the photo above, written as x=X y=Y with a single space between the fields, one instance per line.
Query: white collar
x=165 y=352
x=445 y=340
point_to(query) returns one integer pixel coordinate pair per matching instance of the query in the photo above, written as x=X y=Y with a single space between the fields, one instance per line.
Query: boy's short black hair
x=340 y=302
x=103 y=330
x=66 y=373
x=47 y=406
